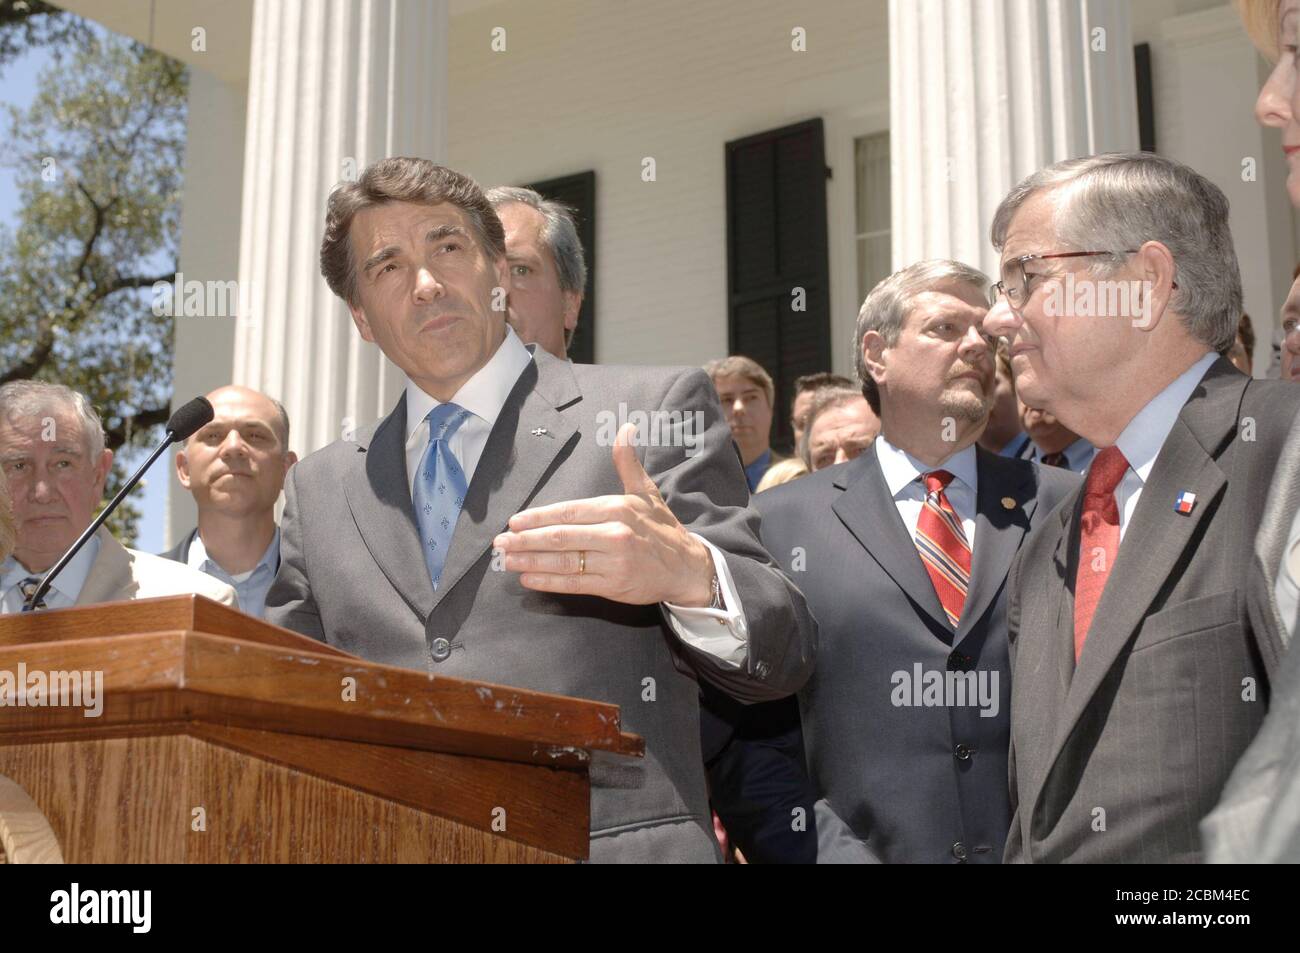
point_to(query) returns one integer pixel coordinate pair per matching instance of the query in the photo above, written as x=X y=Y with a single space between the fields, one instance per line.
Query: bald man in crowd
x=235 y=468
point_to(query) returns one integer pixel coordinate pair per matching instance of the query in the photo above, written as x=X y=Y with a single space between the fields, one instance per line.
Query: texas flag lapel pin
x=1184 y=503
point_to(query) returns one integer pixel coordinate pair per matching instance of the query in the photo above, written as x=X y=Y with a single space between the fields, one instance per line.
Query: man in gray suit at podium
x=623 y=570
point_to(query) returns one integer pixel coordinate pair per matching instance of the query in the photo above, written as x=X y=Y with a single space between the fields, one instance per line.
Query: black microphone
x=182 y=425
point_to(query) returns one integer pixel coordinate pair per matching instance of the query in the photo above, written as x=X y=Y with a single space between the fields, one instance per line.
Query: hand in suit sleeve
x=704 y=486
x=290 y=603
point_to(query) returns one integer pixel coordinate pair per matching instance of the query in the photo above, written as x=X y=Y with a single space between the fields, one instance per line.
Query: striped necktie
x=941 y=541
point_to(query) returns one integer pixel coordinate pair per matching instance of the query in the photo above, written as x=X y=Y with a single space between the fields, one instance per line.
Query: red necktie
x=941 y=541
x=1098 y=538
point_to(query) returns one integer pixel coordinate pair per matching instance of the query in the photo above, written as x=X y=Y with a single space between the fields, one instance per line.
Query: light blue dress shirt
x=251 y=586
x=63 y=592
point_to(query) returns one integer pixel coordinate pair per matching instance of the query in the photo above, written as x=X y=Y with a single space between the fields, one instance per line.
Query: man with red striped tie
x=1139 y=677
x=902 y=554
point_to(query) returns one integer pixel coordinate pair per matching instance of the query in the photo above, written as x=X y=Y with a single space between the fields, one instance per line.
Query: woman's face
x=1279 y=100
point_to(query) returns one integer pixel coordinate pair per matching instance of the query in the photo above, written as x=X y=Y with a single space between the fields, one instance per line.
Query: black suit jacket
x=1119 y=758
x=896 y=780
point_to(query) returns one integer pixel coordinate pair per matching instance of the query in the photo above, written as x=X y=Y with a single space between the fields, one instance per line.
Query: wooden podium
x=223 y=738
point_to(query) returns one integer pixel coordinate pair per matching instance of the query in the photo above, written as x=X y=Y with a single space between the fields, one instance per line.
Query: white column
x=1206 y=84
x=984 y=92
x=333 y=86
x=204 y=346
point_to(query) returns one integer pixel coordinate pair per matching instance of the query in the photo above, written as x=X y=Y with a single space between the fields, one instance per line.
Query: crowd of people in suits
x=1024 y=591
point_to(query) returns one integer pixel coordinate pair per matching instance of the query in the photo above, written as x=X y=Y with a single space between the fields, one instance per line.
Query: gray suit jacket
x=352 y=575
x=1119 y=758
x=1258 y=818
x=904 y=783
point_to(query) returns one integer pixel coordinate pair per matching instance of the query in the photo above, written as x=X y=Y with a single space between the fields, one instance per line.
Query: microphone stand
x=98 y=521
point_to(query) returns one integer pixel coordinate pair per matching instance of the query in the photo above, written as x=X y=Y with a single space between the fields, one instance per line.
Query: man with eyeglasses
x=1138 y=678
x=902 y=554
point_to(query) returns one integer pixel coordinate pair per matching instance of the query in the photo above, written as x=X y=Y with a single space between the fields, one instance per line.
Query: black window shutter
x=776 y=243
x=579 y=193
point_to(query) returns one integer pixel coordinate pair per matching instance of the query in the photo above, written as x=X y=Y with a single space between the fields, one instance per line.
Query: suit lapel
x=379 y=496
x=867 y=510
x=1187 y=461
x=998 y=531
x=1064 y=564
x=1044 y=657
x=109 y=579
x=511 y=466
x=528 y=436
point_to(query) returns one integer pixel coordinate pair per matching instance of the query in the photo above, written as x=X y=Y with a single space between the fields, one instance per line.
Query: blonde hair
x=1261 y=21
x=783 y=471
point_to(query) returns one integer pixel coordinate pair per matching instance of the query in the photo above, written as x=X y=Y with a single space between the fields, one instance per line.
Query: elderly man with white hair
x=55 y=466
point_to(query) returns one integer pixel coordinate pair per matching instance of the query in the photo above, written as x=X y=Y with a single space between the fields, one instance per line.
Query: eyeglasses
x=1015 y=282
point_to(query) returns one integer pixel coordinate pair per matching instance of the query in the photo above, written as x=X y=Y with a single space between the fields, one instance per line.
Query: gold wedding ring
x=582 y=561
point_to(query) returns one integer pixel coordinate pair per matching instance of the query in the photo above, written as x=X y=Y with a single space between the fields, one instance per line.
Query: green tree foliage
x=97 y=160
x=26 y=24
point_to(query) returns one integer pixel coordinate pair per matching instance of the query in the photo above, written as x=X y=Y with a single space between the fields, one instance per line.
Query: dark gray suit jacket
x=181 y=551
x=903 y=783
x=1119 y=759
x=352 y=575
x=1258 y=818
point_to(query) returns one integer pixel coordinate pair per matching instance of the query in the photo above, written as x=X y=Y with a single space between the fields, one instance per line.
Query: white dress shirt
x=721 y=633
x=903 y=473
x=1141 y=440
x=63 y=591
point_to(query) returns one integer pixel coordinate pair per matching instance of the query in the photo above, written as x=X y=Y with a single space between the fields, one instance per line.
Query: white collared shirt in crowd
x=721 y=633
x=903 y=473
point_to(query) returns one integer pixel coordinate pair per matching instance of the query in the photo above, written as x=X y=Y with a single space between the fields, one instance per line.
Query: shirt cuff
x=721 y=633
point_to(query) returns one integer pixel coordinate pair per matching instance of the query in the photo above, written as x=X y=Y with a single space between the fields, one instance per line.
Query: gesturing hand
x=627 y=548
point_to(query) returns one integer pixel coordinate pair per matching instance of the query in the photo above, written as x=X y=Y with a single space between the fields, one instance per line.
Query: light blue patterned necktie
x=440 y=487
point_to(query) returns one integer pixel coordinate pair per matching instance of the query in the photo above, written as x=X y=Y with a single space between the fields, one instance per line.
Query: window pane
x=872 y=154
x=872 y=219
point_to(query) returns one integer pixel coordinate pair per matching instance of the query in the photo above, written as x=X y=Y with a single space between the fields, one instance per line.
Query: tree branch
x=114 y=437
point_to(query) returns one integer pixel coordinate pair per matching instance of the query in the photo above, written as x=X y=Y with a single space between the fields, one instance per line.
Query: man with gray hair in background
x=548 y=271
x=55 y=466
x=1139 y=679
x=839 y=427
x=902 y=554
